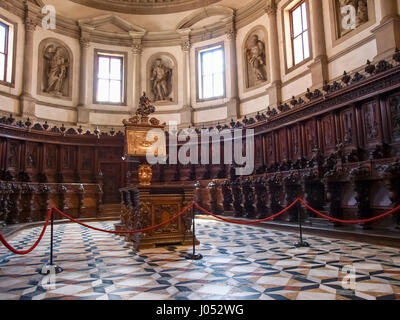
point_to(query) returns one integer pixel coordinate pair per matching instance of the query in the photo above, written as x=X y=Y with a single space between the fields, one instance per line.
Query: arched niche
x=55 y=68
x=162 y=79
x=255 y=58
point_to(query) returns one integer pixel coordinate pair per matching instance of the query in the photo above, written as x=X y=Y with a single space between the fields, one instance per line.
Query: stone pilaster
x=275 y=90
x=187 y=110
x=83 y=114
x=233 y=105
x=27 y=103
x=137 y=50
x=319 y=67
x=388 y=32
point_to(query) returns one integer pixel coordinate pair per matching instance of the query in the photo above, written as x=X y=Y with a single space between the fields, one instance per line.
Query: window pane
x=218 y=63
x=103 y=91
x=207 y=87
x=104 y=67
x=115 y=72
x=3 y=33
x=2 y=67
x=115 y=91
x=306 y=45
x=298 y=49
x=218 y=85
x=207 y=63
x=296 y=21
x=304 y=14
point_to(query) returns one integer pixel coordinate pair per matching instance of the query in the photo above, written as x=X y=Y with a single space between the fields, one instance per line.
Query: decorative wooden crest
x=139 y=137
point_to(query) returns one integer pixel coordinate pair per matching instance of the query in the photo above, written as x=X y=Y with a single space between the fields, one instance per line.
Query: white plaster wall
x=352 y=60
x=175 y=117
x=102 y=119
x=8 y=104
x=56 y=114
x=213 y=115
x=296 y=87
x=254 y=105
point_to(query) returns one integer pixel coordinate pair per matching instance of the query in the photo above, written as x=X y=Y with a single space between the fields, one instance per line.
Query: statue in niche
x=256 y=59
x=161 y=81
x=360 y=9
x=57 y=69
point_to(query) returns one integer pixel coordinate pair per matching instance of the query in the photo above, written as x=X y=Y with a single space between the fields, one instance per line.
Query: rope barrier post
x=51 y=268
x=193 y=255
x=301 y=243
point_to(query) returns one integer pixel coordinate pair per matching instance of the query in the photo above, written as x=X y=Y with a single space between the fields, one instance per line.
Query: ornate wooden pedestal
x=145 y=206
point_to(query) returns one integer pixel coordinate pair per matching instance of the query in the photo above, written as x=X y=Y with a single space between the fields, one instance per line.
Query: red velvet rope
x=151 y=228
x=360 y=221
x=249 y=222
x=13 y=250
x=184 y=211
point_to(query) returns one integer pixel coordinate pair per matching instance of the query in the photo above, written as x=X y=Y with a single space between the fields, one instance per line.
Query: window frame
x=110 y=54
x=10 y=67
x=199 y=71
x=6 y=49
x=293 y=37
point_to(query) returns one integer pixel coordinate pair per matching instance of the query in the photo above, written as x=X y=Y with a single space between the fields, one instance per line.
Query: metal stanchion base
x=302 y=244
x=191 y=256
x=51 y=269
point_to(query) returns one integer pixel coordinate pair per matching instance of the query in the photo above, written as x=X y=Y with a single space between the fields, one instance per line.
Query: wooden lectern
x=147 y=204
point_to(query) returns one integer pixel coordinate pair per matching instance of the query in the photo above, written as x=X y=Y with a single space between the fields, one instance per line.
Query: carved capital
x=271 y=8
x=186 y=44
x=30 y=24
x=137 y=47
x=231 y=33
x=84 y=41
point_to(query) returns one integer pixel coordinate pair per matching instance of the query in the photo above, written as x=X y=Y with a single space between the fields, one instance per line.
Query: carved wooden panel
x=348 y=128
x=311 y=138
x=394 y=110
x=270 y=149
x=111 y=181
x=258 y=152
x=372 y=123
x=86 y=159
x=328 y=133
x=68 y=158
x=283 y=145
x=13 y=155
x=295 y=143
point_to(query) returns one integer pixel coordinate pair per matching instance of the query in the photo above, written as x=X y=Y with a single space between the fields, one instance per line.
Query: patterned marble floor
x=239 y=262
